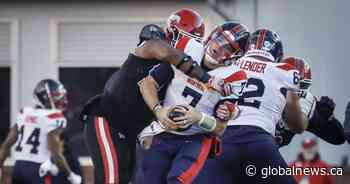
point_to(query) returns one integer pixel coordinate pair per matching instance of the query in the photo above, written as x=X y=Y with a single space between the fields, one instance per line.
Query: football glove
x=325 y=106
x=74 y=178
x=48 y=168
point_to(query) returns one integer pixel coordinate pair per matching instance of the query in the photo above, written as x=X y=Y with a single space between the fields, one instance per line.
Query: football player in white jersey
x=177 y=155
x=36 y=138
x=248 y=143
x=320 y=112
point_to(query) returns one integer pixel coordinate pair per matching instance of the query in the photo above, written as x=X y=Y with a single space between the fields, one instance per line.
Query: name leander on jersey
x=252 y=66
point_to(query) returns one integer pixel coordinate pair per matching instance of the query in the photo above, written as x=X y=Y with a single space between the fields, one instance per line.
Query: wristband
x=183 y=60
x=191 y=68
x=207 y=123
x=156 y=108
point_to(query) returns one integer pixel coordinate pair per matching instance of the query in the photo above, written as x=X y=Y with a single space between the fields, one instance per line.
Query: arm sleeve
x=162 y=74
x=307 y=103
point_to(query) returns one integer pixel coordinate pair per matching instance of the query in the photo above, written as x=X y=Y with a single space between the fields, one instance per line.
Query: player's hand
x=226 y=111
x=74 y=178
x=164 y=121
x=191 y=116
x=48 y=168
x=218 y=85
x=325 y=106
x=146 y=142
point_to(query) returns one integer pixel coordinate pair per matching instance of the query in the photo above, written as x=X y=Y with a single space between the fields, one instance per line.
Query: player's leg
x=104 y=150
x=25 y=172
x=260 y=155
x=157 y=160
x=223 y=168
x=190 y=159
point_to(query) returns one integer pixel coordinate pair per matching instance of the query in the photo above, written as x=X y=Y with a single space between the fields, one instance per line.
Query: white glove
x=48 y=168
x=74 y=178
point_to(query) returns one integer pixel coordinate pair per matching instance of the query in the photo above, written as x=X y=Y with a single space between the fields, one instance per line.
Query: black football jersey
x=121 y=102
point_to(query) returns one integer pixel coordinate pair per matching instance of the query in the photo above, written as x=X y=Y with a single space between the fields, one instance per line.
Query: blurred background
x=81 y=42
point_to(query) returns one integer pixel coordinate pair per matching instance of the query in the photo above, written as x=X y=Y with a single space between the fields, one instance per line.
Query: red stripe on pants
x=103 y=150
x=113 y=150
x=188 y=176
x=48 y=179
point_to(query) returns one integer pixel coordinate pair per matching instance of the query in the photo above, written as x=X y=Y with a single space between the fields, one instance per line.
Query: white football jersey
x=264 y=94
x=307 y=103
x=33 y=128
x=185 y=90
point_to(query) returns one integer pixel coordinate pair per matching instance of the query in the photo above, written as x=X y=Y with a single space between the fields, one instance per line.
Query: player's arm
x=7 y=144
x=56 y=148
x=160 y=50
x=159 y=78
x=296 y=120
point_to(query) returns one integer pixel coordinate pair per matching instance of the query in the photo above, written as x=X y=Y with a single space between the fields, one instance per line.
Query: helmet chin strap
x=49 y=96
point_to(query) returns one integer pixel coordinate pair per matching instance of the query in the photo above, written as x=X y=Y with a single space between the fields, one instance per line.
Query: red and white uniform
x=33 y=128
x=264 y=95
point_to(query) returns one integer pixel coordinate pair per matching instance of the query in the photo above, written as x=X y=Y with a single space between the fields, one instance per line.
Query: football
x=172 y=114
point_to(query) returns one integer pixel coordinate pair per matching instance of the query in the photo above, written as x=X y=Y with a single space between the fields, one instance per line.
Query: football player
x=115 y=118
x=177 y=155
x=36 y=137
x=248 y=143
x=320 y=112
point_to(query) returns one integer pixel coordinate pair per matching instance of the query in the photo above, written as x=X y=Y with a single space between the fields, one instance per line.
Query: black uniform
x=114 y=119
x=323 y=124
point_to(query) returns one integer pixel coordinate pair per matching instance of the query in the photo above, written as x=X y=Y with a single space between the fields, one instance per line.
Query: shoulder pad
x=285 y=66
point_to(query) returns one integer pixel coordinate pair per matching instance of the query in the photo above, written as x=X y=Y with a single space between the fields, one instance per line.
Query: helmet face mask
x=226 y=43
x=184 y=22
x=50 y=94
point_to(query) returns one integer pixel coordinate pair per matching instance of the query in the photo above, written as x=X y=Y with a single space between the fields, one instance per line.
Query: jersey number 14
x=33 y=140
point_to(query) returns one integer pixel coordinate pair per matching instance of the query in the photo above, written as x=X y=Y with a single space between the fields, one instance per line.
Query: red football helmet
x=226 y=43
x=304 y=70
x=184 y=22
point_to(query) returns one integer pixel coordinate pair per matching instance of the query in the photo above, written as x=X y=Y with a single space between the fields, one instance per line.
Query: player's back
x=121 y=99
x=264 y=96
x=33 y=127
